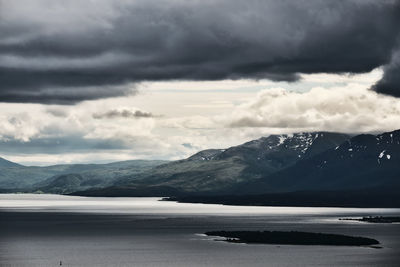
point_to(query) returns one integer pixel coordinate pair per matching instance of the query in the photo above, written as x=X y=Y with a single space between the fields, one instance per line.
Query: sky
x=101 y=81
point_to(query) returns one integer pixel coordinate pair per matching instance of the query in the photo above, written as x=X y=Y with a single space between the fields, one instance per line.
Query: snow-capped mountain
x=299 y=145
x=364 y=161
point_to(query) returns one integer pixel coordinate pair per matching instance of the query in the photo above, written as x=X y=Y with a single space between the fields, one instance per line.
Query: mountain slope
x=216 y=170
x=6 y=163
x=364 y=161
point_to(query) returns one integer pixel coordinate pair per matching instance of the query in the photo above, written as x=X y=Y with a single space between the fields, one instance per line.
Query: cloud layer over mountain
x=68 y=51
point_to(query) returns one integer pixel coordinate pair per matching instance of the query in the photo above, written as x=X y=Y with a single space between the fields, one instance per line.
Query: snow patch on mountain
x=282 y=139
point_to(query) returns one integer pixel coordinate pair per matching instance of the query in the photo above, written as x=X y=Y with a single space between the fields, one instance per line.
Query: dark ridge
x=292 y=238
x=372 y=198
x=375 y=219
x=149 y=191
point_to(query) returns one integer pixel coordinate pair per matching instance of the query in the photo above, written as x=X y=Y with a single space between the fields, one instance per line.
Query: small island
x=375 y=219
x=292 y=238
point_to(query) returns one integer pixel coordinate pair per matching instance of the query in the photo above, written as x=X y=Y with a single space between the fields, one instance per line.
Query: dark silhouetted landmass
x=149 y=191
x=374 y=219
x=292 y=238
x=374 y=198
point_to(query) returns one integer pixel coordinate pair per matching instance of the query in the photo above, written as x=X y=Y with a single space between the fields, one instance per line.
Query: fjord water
x=42 y=230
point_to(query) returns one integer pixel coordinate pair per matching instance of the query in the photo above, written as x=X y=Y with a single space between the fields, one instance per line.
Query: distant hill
x=99 y=176
x=58 y=178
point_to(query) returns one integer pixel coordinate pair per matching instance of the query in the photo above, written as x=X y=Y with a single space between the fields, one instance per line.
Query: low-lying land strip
x=292 y=238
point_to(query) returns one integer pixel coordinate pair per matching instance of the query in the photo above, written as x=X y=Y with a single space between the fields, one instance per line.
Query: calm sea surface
x=42 y=230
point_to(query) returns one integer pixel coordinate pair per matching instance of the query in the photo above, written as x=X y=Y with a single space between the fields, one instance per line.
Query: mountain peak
x=303 y=143
x=207 y=154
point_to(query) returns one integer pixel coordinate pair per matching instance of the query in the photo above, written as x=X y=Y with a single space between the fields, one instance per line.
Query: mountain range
x=277 y=164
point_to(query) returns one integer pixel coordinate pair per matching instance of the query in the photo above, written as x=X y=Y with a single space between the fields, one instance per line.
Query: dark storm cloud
x=123 y=113
x=390 y=82
x=69 y=51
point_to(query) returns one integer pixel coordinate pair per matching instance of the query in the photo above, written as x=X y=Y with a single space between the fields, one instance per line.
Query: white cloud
x=351 y=108
x=20 y=127
x=329 y=78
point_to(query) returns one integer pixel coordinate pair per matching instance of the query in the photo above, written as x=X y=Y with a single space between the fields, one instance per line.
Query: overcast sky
x=100 y=81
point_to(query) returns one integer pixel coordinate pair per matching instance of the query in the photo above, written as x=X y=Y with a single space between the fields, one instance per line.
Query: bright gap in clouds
x=172 y=120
